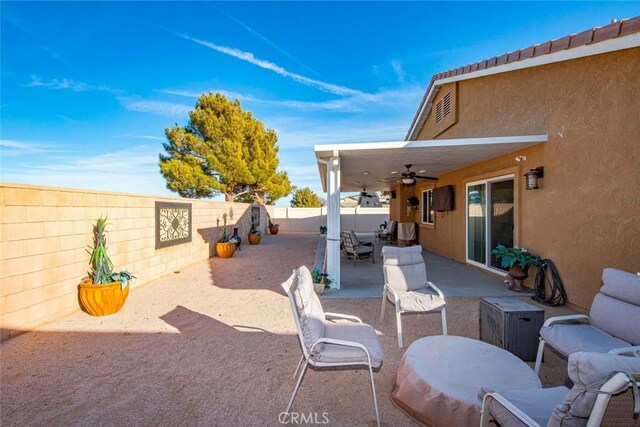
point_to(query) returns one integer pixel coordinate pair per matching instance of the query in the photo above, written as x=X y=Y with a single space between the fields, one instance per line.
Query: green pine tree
x=305 y=198
x=223 y=150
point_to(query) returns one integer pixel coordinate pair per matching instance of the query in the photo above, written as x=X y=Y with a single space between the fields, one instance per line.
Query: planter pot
x=274 y=230
x=225 y=250
x=515 y=277
x=318 y=288
x=254 y=239
x=101 y=300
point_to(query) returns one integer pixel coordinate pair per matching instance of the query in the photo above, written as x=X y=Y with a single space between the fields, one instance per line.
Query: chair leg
x=384 y=291
x=295 y=390
x=399 y=325
x=443 y=313
x=539 y=357
x=373 y=392
x=298 y=367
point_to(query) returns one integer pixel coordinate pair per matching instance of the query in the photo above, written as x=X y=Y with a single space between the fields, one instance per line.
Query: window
x=428 y=214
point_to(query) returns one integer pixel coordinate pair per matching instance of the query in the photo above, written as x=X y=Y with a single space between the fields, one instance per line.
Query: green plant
x=271 y=224
x=510 y=256
x=101 y=265
x=224 y=238
x=320 y=277
x=323 y=229
x=254 y=230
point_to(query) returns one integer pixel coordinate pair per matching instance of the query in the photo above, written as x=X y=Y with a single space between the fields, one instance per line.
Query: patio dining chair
x=353 y=249
x=605 y=391
x=612 y=324
x=406 y=286
x=326 y=343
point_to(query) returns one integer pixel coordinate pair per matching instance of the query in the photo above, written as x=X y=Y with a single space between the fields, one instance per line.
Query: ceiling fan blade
x=431 y=178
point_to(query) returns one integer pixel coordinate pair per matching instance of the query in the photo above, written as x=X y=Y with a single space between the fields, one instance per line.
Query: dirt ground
x=212 y=345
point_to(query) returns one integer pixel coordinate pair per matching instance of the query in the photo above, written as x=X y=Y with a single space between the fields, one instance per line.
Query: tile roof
x=592 y=36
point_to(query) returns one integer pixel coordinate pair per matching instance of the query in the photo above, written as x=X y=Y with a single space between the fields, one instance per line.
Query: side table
x=511 y=324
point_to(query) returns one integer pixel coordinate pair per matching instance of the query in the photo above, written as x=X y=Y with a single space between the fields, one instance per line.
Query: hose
x=558 y=295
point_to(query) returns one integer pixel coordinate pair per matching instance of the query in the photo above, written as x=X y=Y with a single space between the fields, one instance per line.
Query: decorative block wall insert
x=173 y=224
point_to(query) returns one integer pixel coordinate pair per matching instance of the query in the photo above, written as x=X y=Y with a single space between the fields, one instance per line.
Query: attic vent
x=447 y=104
x=443 y=108
x=438 y=112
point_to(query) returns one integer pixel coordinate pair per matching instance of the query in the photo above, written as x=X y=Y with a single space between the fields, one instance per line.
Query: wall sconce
x=532 y=177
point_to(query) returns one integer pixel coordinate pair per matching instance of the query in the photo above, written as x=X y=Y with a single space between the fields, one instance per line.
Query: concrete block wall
x=45 y=233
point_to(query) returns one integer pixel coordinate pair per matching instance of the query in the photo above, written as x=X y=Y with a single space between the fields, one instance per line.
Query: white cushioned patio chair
x=353 y=250
x=406 y=286
x=601 y=381
x=388 y=234
x=325 y=343
x=613 y=324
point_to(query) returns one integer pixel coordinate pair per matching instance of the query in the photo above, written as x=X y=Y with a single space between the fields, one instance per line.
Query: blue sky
x=89 y=87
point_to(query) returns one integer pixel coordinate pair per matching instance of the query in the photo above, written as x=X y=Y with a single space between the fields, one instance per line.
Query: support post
x=333 y=220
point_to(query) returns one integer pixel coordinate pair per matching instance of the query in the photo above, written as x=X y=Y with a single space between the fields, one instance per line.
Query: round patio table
x=439 y=379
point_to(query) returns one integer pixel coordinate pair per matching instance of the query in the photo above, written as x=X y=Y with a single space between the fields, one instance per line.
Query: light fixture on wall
x=532 y=178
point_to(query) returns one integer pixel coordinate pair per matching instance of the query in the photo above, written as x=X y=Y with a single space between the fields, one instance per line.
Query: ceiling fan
x=368 y=199
x=409 y=177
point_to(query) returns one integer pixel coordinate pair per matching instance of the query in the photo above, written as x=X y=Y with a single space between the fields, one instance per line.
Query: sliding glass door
x=490 y=219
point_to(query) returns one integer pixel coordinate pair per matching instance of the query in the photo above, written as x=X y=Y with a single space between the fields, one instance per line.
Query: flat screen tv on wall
x=443 y=198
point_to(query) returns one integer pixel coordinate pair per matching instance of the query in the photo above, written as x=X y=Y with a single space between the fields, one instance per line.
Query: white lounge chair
x=597 y=377
x=613 y=324
x=406 y=286
x=325 y=343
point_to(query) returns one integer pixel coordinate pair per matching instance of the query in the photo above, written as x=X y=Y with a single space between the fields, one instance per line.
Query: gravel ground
x=212 y=345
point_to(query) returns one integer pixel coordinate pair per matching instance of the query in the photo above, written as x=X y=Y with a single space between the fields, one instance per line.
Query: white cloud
x=268 y=65
x=399 y=70
x=133 y=169
x=156 y=107
x=69 y=84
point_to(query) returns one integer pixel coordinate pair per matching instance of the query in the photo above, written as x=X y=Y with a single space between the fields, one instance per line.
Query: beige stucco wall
x=586 y=215
x=44 y=234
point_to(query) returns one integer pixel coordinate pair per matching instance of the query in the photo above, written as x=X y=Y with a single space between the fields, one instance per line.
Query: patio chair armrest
x=343 y=316
x=622 y=350
x=508 y=406
x=367 y=244
x=437 y=289
x=396 y=297
x=559 y=319
x=343 y=343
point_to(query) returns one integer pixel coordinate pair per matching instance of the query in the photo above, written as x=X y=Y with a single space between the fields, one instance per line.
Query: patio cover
x=352 y=167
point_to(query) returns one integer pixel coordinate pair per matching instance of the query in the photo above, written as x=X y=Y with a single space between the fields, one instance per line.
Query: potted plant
x=517 y=260
x=102 y=291
x=320 y=281
x=323 y=229
x=273 y=228
x=225 y=248
x=255 y=236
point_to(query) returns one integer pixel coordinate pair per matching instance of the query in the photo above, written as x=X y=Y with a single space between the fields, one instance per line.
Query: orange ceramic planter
x=254 y=239
x=101 y=300
x=274 y=230
x=225 y=250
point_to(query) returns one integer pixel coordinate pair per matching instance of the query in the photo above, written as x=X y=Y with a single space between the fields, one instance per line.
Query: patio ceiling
x=371 y=165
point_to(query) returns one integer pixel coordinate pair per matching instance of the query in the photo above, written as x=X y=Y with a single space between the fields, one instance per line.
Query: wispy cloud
x=349 y=104
x=85 y=171
x=266 y=40
x=162 y=108
x=69 y=84
x=16 y=147
x=148 y=137
x=268 y=65
x=399 y=70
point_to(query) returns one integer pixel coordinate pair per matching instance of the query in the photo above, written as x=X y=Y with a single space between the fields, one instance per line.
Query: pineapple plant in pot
x=273 y=228
x=225 y=248
x=103 y=291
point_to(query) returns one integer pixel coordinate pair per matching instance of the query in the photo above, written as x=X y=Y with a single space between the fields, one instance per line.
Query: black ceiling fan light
x=409 y=177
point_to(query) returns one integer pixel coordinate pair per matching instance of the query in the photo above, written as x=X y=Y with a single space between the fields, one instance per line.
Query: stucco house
x=569 y=108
